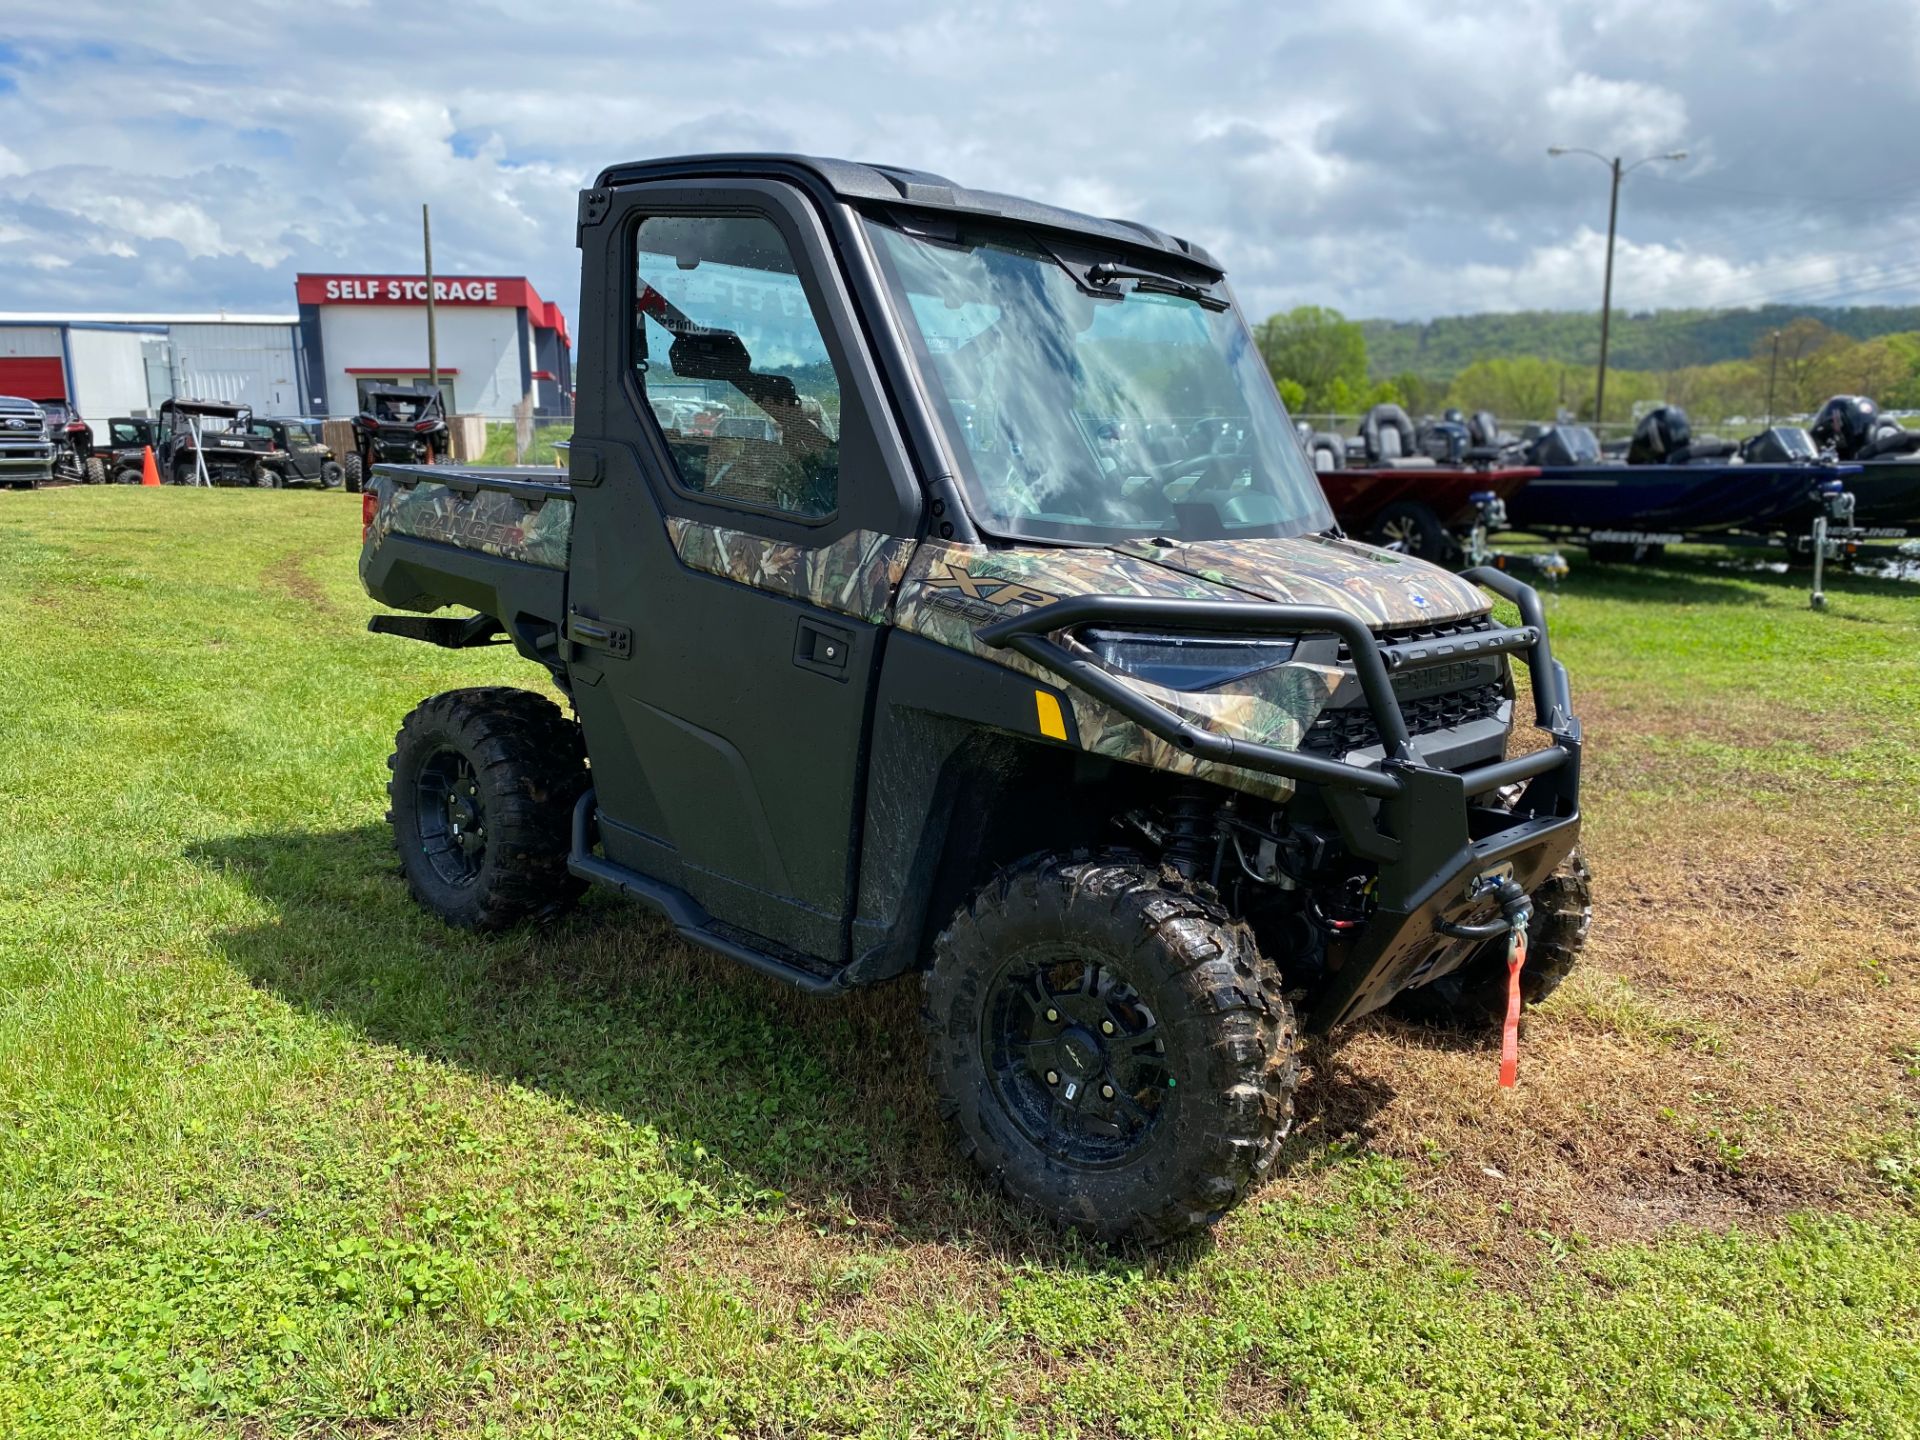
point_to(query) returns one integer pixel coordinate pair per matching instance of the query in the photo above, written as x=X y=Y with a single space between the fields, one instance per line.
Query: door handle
x=596 y=634
x=823 y=649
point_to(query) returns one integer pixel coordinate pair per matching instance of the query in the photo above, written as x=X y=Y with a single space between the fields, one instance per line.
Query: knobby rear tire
x=528 y=768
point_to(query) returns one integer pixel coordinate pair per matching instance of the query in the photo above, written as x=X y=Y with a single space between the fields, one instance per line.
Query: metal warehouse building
x=499 y=343
x=106 y=365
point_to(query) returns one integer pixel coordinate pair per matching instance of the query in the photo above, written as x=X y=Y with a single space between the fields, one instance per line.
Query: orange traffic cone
x=149 y=472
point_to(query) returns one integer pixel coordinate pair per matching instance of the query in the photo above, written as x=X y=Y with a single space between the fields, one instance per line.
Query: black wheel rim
x=1077 y=1059
x=451 y=818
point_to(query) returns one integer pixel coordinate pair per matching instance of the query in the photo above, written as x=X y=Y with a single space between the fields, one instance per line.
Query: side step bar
x=683 y=912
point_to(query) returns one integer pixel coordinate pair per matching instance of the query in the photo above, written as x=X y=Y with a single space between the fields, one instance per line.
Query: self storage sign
x=410 y=290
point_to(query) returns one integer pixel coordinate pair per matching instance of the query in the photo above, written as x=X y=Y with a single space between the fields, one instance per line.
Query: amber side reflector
x=1046 y=707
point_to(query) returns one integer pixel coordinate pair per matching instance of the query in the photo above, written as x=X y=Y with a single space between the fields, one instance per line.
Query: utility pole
x=1619 y=172
x=433 y=341
x=1773 y=367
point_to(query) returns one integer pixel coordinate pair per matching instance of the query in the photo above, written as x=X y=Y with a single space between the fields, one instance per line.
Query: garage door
x=34 y=377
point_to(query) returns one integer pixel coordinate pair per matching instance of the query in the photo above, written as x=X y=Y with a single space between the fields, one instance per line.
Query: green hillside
x=1660 y=340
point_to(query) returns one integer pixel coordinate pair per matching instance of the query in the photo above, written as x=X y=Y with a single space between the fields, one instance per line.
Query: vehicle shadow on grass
x=1729 y=578
x=752 y=1087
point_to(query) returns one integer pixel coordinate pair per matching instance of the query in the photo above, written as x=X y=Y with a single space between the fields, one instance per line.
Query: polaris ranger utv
x=402 y=423
x=213 y=438
x=1016 y=646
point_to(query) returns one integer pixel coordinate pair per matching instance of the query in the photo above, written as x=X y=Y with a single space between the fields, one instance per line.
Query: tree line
x=1320 y=361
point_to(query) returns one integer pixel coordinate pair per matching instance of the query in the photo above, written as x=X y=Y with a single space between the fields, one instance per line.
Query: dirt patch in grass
x=288 y=576
x=1733 y=1037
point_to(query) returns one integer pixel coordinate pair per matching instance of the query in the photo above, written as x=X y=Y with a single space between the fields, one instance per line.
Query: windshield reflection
x=1121 y=415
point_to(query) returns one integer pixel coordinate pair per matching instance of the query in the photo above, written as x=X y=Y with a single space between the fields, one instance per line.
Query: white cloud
x=1386 y=159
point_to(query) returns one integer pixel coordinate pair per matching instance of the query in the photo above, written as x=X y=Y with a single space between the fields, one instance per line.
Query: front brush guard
x=1419 y=824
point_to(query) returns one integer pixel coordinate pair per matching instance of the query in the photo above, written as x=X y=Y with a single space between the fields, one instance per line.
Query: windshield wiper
x=1106 y=273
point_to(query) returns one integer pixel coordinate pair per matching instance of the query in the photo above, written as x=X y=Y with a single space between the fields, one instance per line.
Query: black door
x=744 y=509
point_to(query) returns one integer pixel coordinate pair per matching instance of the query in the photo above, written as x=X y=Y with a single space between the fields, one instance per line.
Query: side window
x=733 y=365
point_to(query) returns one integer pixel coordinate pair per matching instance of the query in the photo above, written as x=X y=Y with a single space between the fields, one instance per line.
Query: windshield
x=1140 y=414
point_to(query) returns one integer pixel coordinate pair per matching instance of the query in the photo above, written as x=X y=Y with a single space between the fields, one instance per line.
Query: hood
x=1381 y=587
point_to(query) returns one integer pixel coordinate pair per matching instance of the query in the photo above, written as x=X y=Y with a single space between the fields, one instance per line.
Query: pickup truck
x=26 y=452
x=1011 y=645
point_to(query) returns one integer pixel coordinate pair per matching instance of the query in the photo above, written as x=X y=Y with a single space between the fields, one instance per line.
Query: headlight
x=1185 y=662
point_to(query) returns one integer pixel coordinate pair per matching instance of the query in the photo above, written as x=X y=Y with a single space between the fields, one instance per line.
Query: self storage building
x=498 y=341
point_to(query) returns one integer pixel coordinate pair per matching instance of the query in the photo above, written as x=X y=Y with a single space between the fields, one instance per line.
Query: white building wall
x=31 y=340
x=481 y=343
x=247 y=364
x=107 y=372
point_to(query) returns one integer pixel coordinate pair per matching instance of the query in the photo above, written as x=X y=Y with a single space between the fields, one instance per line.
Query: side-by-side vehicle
x=999 y=631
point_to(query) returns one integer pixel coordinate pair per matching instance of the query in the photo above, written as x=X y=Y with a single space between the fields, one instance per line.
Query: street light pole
x=1606 y=298
x=1618 y=172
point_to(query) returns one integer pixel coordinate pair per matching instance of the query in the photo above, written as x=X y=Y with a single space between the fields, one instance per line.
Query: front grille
x=1353 y=728
x=1428 y=630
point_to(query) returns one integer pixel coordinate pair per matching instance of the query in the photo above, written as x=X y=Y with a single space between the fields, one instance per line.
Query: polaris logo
x=1438 y=679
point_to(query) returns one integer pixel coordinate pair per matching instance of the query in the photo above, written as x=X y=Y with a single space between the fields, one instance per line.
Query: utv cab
x=398 y=424
x=299 y=456
x=211 y=440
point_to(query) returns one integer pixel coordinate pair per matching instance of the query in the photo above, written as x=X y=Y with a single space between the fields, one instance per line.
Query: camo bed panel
x=529 y=526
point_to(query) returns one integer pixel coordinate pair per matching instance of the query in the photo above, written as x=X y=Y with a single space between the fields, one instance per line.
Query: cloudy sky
x=1386 y=157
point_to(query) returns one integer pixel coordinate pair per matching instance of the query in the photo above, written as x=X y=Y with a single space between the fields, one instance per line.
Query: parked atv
x=401 y=424
x=213 y=439
x=299 y=456
x=72 y=440
x=978 y=658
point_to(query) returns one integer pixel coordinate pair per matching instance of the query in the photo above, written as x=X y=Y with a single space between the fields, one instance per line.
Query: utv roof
x=206 y=407
x=405 y=392
x=896 y=186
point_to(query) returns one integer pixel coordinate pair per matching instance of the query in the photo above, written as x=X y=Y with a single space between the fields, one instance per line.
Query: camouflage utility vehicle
x=1013 y=645
x=402 y=423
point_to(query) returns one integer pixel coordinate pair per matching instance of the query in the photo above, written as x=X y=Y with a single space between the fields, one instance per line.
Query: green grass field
x=281 y=1156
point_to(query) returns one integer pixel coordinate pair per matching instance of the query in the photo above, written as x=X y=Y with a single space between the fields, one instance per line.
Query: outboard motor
x=1890 y=440
x=1388 y=434
x=1445 y=440
x=1781 y=445
x=1660 y=437
x=1845 y=425
x=1560 y=445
